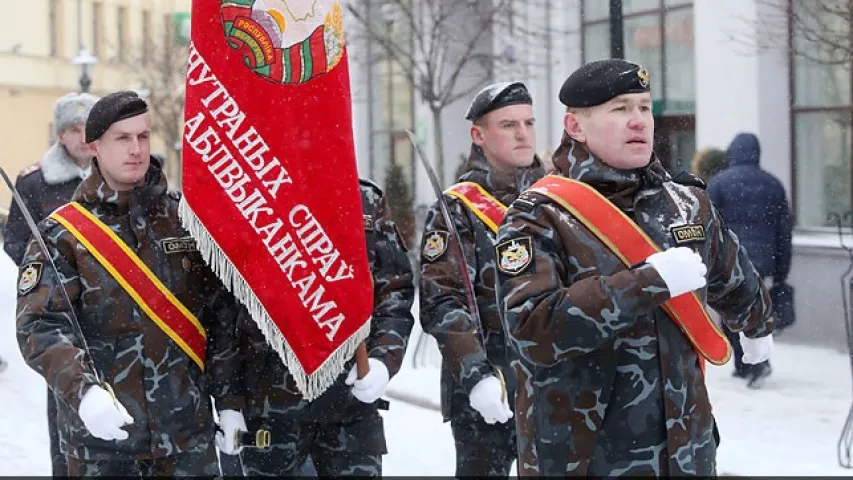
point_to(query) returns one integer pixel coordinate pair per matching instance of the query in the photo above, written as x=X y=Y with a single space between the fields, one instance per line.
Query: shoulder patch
x=30 y=169
x=368 y=223
x=684 y=234
x=370 y=184
x=514 y=256
x=687 y=178
x=434 y=244
x=179 y=245
x=29 y=277
x=527 y=201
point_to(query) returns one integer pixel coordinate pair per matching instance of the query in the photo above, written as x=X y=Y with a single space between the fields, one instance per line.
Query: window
x=658 y=34
x=822 y=147
x=643 y=45
x=596 y=44
x=822 y=115
x=679 y=57
x=634 y=6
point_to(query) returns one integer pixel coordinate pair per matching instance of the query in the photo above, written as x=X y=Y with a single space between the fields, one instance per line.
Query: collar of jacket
x=95 y=191
x=58 y=167
x=506 y=187
x=622 y=187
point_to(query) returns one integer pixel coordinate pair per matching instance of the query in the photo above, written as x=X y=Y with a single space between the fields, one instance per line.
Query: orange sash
x=628 y=242
x=138 y=281
x=486 y=207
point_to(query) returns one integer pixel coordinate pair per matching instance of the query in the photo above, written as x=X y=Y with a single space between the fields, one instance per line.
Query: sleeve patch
x=514 y=256
x=30 y=277
x=435 y=244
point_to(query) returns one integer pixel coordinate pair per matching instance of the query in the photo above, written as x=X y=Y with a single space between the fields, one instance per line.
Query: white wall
x=739 y=89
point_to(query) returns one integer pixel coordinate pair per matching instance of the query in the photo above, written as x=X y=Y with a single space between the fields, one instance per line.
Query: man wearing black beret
x=132 y=395
x=606 y=314
x=477 y=382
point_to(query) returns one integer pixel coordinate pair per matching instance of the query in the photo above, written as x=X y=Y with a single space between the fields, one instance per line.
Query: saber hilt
x=261 y=438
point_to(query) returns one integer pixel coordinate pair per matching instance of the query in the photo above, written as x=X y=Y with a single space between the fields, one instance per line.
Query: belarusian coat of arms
x=285 y=41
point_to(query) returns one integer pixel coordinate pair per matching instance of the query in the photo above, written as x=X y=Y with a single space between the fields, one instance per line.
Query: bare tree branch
x=820 y=30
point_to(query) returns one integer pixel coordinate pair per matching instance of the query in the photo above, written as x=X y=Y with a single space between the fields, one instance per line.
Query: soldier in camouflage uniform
x=503 y=163
x=608 y=383
x=160 y=421
x=342 y=429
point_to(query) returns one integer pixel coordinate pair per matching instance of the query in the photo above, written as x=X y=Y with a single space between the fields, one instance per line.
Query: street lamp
x=84 y=59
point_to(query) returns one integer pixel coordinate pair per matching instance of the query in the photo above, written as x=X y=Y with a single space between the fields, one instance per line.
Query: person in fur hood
x=44 y=187
x=49 y=184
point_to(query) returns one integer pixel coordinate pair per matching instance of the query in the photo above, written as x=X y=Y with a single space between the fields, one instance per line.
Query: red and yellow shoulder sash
x=628 y=242
x=138 y=280
x=486 y=207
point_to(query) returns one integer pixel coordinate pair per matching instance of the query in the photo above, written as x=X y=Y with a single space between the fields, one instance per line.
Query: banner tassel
x=311 y=386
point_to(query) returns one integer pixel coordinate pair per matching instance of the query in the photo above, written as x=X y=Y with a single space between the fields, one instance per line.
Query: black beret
x=498 y=95
x=599 y=81
x=110 y=109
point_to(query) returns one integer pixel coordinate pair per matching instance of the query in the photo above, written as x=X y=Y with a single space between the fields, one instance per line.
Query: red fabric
x=307 y=128
x=487 y=208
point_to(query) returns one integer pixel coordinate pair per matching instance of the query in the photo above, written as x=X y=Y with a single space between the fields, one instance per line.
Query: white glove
x=680 y=268
x=230 y=422
x=487 y=398
x=373 y=385
x=103 y=415
x=756 y=350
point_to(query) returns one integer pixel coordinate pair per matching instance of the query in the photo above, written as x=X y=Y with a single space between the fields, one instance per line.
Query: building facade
x=36 y=51
x=719 y=67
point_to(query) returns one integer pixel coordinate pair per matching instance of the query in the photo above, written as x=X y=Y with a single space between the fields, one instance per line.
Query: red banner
x=269 y=176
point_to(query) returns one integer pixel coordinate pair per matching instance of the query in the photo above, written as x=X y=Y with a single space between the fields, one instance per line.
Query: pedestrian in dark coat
x=754 y=205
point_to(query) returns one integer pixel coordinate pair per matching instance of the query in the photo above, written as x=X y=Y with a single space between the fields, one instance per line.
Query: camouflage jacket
x=608 y=384
x=164 y=391
x=269 y=387
x=444 y=310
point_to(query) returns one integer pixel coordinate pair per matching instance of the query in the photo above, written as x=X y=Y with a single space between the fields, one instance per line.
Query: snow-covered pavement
x=789 y=428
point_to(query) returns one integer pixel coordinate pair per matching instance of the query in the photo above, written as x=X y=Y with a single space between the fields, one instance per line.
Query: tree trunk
x=438 y=139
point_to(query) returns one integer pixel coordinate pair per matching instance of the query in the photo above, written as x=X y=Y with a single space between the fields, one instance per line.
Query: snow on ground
x=789 y=428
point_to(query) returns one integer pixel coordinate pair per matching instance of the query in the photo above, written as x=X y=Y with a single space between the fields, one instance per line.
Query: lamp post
x=617 y=26
x=84 y=59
